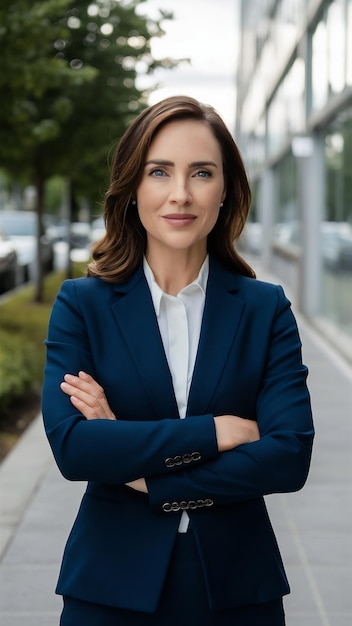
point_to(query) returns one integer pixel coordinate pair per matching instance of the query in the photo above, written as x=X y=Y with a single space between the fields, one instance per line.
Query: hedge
x=23 y=328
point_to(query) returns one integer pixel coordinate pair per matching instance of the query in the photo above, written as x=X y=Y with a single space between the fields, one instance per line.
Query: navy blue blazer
x=248 y=364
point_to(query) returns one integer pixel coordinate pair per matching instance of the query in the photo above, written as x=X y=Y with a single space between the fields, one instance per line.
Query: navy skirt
x=183 y=601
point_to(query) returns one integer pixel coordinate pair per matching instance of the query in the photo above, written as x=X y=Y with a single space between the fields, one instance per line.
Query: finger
x=89 y=412
x=88 y=391
x=83 y=381
x=88 y=398
x=82 y=408
x=89 y=386
x=87 y=405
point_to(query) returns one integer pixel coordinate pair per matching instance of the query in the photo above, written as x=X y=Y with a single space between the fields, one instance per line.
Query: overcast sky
x=206 y=32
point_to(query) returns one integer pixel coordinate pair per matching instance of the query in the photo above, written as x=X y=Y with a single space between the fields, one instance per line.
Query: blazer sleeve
x=103 y=450
x=280 y=460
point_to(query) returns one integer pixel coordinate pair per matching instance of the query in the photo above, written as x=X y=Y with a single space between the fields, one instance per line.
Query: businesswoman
x=174 y=386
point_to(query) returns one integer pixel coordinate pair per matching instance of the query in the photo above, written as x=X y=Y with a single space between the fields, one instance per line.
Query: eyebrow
x=171 y=164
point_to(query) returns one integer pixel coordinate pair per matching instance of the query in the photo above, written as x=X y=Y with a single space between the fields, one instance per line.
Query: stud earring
x=221 y=205
x=134 y=202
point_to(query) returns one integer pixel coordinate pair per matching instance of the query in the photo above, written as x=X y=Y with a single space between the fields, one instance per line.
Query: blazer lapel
x=222 y=314
x=135 y=315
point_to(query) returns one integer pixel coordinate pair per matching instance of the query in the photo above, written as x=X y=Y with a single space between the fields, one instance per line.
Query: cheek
x=213 y=214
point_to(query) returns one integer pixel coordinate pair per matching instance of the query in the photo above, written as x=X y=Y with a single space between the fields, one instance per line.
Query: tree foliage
x=32 y=81
x=68 y=81
x=68 y=71
x=114 y=40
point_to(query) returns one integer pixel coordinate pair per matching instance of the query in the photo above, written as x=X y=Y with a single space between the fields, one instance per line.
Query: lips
x=179 y=219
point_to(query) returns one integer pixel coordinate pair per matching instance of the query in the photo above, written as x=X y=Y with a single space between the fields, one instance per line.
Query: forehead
x=192 y=135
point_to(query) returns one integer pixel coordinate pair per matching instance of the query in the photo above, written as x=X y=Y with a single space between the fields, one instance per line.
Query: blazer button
x=175 y=506
x=208 y=502
x=196 y=456
x=186 y=458
x=200 y=503
x=192 y=504
x=169 y=462
x=167 y=507
x=178 y=460
x=183 y=505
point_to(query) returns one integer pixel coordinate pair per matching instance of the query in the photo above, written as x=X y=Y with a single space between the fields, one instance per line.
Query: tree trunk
x=71 y=203
x=39 y=279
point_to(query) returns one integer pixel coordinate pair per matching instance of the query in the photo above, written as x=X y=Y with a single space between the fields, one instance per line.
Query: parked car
x=73 y=239
x=9 y=270
x=21 y=228
x=335 y=241
x=80 y=242
x=335 y=238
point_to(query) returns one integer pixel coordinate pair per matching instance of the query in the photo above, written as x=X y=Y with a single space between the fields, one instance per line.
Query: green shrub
x=17 y=374
x=23 y=328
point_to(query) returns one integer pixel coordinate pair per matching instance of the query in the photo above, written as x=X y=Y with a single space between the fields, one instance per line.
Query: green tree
x=113 y=39
x=68 y=79
x=32 y=86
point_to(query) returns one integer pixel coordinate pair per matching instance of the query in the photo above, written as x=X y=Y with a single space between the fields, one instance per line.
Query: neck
x=175 y=271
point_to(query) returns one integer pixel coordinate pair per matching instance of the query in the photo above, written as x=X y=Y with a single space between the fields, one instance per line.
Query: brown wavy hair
x=120 y=251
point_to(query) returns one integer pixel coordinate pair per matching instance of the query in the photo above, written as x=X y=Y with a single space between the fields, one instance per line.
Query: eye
x=203 y=174
x=157 y=172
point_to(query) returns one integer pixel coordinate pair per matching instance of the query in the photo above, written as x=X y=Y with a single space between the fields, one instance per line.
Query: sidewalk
x=313 y=526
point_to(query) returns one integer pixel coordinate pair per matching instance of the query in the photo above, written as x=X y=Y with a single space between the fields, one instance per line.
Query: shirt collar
x=157 y=293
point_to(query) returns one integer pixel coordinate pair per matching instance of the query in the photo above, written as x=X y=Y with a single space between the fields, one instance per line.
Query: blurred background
x=72 y=76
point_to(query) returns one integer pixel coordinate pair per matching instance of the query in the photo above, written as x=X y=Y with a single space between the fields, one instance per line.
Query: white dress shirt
x=180 y=319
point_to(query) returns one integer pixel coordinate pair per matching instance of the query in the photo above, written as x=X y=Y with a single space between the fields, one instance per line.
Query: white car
x=21 y=228
x=73 y=239
x=9 y=270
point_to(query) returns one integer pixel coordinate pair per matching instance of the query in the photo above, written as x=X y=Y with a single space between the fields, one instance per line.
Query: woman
x=170 y=323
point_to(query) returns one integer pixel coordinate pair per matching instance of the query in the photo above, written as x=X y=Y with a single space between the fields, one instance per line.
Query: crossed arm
x=88 y=397
x=237 y=464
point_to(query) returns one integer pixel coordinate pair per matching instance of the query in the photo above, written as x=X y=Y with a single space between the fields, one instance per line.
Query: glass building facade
x=294 y=129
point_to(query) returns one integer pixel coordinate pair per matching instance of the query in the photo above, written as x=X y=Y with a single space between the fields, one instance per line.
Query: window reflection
x=349 y=44
x=336 y=234
x=319 y=67
x=331 y=52
x=286 y=229
x=337 y=49
x=286 y=115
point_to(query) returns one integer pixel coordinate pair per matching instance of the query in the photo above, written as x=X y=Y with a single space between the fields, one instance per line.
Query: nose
x=179 y=192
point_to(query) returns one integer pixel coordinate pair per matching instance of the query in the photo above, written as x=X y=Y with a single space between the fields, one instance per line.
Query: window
x=336 y=229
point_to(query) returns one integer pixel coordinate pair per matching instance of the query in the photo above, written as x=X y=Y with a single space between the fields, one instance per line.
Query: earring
x=221 y=205
x=134 y=202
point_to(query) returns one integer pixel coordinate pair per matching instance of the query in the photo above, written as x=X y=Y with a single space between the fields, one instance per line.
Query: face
x=182 y=188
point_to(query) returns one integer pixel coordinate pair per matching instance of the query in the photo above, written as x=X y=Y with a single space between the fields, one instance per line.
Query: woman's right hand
x=87 y=396
x=232 y=431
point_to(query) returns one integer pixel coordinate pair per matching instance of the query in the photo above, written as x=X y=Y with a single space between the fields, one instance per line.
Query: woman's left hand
x=87 y=396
